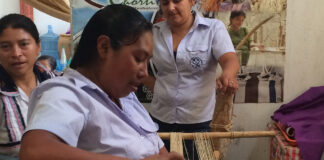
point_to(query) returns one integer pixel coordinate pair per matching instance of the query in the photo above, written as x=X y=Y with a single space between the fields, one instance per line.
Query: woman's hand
x=227 y=85
x=227 y=82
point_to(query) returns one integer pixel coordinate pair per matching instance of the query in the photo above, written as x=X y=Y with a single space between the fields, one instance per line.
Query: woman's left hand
x=227 y=85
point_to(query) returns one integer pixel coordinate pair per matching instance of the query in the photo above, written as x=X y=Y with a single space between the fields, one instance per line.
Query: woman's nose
x=143 y=71
x=16 y=51
x=171 y=6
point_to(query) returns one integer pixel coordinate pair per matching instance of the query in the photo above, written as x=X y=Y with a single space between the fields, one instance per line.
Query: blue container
x=49 y=43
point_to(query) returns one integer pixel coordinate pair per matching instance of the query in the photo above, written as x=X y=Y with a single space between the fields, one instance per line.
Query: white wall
x=42 y=20
x=305 y=39
x=304 y=67
x=9 y=6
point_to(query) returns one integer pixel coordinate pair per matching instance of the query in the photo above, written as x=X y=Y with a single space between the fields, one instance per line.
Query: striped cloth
x=280 y=149
x=257 y=87
x=12 y=119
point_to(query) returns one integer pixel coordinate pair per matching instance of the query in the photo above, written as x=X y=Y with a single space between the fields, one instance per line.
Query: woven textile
x=280 y=149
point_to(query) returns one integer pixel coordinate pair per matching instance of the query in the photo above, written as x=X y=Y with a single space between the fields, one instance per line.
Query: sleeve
x=161 y=144
x=57 y=110
x=2 y=116
x=221 y=42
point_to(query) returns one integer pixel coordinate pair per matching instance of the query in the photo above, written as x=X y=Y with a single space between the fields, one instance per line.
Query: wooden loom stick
x=176 y=143
x=252 y=31
x=235 y=134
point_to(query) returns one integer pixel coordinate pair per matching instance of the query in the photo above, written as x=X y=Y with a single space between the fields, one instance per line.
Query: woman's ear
x=103 y=45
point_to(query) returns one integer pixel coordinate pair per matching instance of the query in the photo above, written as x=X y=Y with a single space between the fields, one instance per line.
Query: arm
x=227 y=82
x=163 y=150
x=40 y=145
x=149 y=82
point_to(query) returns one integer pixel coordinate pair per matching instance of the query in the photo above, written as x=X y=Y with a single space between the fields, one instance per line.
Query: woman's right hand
x=166 y=156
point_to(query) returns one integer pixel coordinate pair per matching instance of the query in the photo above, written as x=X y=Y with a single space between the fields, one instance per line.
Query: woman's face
x=237 y=22
x=18 y=51
x=177 y=12
x=125 y=68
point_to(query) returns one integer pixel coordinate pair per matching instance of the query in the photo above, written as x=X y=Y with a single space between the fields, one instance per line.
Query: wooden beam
x=243 y=134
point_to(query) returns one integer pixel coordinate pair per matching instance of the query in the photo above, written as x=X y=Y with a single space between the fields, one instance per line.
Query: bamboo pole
x=252 y=31
x=236 y=134
x=176 y=143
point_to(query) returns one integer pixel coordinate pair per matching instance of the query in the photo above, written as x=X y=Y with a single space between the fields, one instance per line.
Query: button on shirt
x=184 y=90
x=79 y=112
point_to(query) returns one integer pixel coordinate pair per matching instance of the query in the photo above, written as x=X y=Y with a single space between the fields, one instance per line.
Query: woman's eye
x=4 y=46
x=138 y=59
x=164 y=2
x=24 y=44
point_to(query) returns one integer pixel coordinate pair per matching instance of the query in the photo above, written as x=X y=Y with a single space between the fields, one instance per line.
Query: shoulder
x=213 y=26
x=160 y=26
x=219 y=24
x=55 y=87
x=159 y=29
x=212 y=22
x=56 y=94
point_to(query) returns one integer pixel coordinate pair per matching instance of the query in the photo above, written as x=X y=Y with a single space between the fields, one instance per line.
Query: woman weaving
x=91 y=112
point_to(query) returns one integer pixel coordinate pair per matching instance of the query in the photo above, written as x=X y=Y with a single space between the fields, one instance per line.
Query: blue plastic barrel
x=49 y=43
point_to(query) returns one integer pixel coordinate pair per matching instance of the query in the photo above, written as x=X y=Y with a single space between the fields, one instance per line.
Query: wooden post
x=26 y=10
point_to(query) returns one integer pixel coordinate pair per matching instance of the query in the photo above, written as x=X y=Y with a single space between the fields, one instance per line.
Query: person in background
x=187 y=49
x=19 y=75
x=91 y=112
x=49 y=62
x=237 y=33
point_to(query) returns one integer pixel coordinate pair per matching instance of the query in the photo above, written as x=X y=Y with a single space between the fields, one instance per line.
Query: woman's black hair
x=19 y=21
x=236 y=14
x=51 y=60
x=121 y=23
